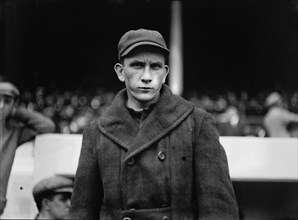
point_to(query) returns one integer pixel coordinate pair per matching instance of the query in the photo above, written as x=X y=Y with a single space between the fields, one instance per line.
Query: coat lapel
x=118 y=124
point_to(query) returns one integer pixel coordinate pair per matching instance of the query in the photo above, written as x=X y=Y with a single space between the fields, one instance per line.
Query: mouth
x=145 y=88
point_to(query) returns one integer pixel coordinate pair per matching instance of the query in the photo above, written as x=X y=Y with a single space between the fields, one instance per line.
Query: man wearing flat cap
x=52 y=197
x=152 y=154
x=18 y=125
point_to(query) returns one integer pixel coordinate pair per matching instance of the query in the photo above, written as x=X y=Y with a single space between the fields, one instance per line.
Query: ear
x=167 y=70
x=46 y=204
x=119 y=71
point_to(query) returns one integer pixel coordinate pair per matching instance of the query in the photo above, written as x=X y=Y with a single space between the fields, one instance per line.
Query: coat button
x=165 y=218
x=161 y=155
x=131 y=161
x=126 y=218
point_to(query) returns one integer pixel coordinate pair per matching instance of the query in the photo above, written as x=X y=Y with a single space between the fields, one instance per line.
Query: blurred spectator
x=277 y=119
x=18 y=125
x=72 y=110
x=293 y=129
x=52 y=197
x=230 y=123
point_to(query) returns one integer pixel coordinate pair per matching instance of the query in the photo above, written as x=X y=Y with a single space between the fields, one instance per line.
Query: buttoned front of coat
x=172 y=167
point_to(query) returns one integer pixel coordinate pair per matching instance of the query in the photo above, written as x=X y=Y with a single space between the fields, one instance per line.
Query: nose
x=146 y=76
x=1 y=104
x=68 y=203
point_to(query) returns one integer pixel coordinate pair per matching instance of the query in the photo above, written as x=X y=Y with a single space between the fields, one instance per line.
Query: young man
x=151 y=155
x=52 y=197
x=17 y=126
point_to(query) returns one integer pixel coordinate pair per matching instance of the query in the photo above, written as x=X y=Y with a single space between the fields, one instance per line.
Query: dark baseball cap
x=140 y=37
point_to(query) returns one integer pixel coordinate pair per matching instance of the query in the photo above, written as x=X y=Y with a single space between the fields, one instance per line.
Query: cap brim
x=64 y=190
x=8 y=93
x=144 y=43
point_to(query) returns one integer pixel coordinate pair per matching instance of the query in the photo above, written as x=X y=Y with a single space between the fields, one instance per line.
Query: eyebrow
x=136 y=61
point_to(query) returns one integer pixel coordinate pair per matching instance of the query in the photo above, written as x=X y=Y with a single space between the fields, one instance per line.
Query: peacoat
x=171 y=166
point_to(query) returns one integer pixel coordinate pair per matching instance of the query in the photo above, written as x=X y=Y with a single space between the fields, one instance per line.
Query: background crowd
x=236 y=113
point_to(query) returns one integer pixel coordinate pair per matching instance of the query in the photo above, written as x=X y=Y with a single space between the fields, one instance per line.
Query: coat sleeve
x=33 y=123
x=215 y=195
x=87 y=194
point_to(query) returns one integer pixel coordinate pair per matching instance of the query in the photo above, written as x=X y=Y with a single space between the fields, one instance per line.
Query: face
x=6 y=106
x=59 y=206
x=143 y=72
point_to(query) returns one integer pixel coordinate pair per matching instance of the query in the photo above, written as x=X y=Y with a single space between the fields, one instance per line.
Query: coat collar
x=118 y=124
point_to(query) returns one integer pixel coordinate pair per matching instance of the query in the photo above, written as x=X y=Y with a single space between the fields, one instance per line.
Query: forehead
x=143 y=52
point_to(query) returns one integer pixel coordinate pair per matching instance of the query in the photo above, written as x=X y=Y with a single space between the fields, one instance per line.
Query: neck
x=44 y=215
x=131 y=105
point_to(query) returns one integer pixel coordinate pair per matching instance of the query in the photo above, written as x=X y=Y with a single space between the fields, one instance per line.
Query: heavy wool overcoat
x=171 y=166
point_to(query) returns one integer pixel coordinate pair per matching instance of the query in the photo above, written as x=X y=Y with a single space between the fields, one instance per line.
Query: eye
x=156 y=66
x=8 y=101
x=65 y=197
x=137 y=65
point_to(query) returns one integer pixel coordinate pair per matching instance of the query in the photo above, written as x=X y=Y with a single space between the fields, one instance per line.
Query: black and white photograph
x=147 y=109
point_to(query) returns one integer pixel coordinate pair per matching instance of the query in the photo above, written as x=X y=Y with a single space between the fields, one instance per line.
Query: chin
x=145 y=98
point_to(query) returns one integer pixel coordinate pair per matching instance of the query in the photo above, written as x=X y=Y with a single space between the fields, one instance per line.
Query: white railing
x=250 y=159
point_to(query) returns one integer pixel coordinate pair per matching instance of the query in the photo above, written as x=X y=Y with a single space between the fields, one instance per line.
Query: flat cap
x=7 y=88
x=135 y=38
x=57 y=184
